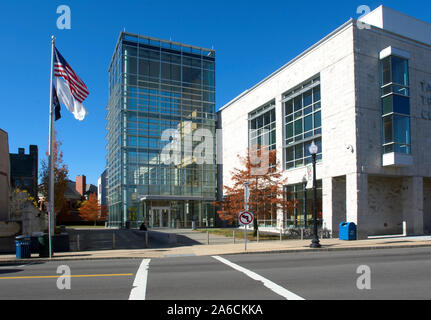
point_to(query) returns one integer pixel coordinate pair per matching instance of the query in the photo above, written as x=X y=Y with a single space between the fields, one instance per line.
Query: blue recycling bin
x=347 y=231
x=23 y=247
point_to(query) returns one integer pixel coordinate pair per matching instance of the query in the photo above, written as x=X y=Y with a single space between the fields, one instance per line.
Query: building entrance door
x=160 y=217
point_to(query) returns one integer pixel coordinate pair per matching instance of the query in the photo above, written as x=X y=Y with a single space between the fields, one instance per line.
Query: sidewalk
x=238 y=248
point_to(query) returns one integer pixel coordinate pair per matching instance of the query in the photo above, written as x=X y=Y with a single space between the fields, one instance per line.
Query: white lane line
x=267 y=283
x=139 y=290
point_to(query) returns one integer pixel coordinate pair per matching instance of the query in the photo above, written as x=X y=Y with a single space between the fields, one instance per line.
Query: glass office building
x=161 y=94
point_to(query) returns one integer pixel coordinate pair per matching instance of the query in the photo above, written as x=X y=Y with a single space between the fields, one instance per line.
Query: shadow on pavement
x=109 y=239
x=99 y=240
x=18 y=263
x=9 y=271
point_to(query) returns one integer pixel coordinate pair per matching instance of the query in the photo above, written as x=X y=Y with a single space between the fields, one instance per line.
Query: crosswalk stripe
x=267 y=283
x=139 y=290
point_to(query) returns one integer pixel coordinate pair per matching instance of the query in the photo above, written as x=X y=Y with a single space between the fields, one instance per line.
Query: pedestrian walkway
x=190 y=237
x=237 y=248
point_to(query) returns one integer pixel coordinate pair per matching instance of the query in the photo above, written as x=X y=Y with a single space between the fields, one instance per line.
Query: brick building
x=76 y=192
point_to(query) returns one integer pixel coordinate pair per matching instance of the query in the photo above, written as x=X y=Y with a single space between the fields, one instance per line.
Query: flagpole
x=51 y=158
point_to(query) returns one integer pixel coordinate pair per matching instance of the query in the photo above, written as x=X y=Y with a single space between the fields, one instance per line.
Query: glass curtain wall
x=114 y=144
x=155 y=86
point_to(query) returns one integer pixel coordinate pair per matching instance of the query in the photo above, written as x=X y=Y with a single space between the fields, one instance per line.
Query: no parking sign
x=246 y=218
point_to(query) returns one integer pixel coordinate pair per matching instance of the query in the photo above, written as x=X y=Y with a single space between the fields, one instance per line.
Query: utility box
x=347 y=231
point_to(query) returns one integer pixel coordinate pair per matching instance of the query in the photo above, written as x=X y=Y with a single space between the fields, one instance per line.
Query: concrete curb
x=44 y=260
x=304 y=250
x=323 y=249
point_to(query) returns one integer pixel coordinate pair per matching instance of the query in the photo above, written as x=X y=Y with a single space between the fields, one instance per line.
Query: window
x=302 y=121
x=299 y=154
x=302 y=215
x=262 y=126
x=395 y=105
x=400 y=74
x=18 y=183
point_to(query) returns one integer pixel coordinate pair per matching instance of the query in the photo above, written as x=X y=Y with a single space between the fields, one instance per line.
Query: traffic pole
x=245 y=236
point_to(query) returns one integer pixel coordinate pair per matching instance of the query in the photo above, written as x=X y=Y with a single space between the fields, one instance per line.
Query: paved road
x=113 y=280
x=395 y=274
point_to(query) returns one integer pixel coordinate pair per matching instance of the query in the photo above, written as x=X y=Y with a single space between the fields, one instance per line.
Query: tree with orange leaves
x=90 y=209
x=266 y=185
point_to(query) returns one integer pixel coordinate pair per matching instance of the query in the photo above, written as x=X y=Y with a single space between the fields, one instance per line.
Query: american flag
x=62 y=69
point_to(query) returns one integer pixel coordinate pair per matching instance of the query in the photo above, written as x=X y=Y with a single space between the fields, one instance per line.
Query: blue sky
x=252 y=39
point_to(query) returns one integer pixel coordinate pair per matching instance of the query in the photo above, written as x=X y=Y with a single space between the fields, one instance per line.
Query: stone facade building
x=363 y=95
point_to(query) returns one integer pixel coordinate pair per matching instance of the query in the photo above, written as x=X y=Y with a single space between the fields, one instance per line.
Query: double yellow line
x=71 y=276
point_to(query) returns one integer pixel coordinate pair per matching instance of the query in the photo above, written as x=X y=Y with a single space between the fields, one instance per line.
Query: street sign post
x=246 y=218
x=246 y=196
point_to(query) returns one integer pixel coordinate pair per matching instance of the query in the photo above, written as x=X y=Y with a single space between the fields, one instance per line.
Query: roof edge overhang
x=174 y=198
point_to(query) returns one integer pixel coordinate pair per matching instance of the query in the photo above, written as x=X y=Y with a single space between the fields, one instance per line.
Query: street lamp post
x=315 y=242
x=246 y=207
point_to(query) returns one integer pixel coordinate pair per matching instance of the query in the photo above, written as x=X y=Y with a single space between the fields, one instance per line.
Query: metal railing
x=268 y=223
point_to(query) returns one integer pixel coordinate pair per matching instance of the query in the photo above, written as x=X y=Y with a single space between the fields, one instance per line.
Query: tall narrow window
x=395 y=97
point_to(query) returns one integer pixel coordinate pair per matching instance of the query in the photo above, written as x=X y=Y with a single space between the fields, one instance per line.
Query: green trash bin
x=44 y=246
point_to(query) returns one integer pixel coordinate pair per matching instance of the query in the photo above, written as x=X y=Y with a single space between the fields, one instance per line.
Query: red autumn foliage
x=90 y=209
x=266 y=185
